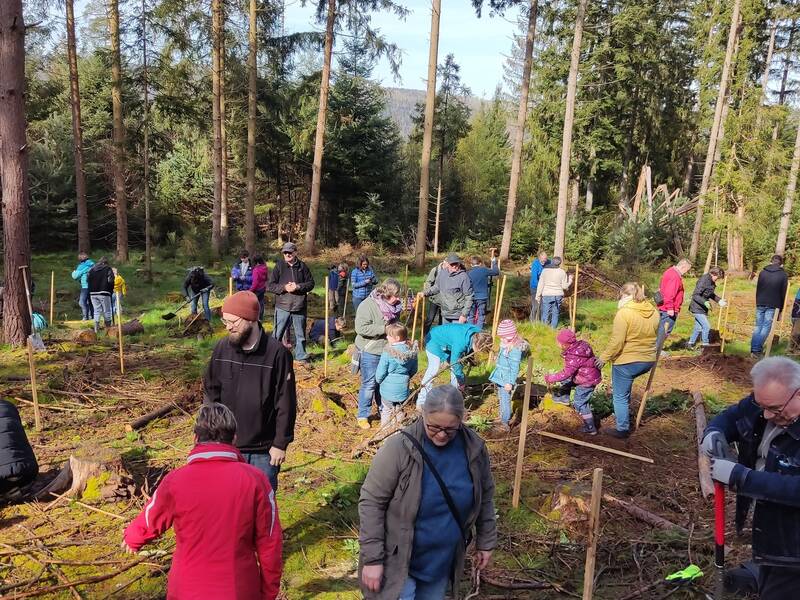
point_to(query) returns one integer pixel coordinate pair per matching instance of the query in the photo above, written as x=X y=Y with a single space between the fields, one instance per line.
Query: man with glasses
x=766 y=428
x=291 y=281
x=251 y=373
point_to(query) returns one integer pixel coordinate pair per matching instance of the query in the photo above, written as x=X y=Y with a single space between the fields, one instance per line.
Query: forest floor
x=71 y=547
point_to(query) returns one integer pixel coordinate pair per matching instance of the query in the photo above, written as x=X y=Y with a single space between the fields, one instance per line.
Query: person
x=341 y=288
x=120 y=290
x=333 y=287
x=198 y=285
x=251 y=373
x=397 y=365
x=702 y=295
x=453 y=291
x=317 y=331
x=450 y=343
x=242 y=272
x=506 y=370
x=434 y=312
x=770 y=296
x=101 y=287
x=81 y=273
x=579 y=373
x=260 y=273
x=670 y=301
x=291 y=281
x=381 y=308
x=18 y=466
x=765 y=426
x=479 y=278
x=412 y=543
x=228 y=539
x=538 y=264
x=362 y=281
x=550 y=288
x=631 y=350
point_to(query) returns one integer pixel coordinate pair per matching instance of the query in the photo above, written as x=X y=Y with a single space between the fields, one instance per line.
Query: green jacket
x=370 y=328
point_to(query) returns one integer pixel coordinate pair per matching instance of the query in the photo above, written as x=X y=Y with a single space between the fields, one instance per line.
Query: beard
x=240 y=337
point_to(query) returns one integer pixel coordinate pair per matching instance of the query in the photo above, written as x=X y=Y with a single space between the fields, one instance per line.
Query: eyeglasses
x=436 y=430
x=777 y=412
x=233 y=323
x=288 y=253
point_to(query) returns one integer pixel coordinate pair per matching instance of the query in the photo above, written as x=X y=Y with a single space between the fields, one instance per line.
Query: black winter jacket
x=282 y=274
x=16 y=455
x=703 y=291
x=101 y=280
x=259 y=387
x=771 y=286
x=196 y=283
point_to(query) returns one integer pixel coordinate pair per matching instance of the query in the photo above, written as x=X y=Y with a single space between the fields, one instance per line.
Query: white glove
x=723 y=303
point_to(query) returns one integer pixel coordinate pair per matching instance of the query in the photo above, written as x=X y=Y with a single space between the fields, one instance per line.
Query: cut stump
x=93 y=474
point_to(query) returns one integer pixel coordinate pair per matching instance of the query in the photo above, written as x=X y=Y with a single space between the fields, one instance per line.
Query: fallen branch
x=703 y=462
x=529 y=584
x=564 y=438
x=151 y=416
x=644 y=515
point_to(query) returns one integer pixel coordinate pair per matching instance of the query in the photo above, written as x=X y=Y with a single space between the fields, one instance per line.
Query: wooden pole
x=119 y=335
x=346 y=289
x=496 y=298
x=783 y=309
x=724 y=331
x=564 y=438
x=52 y=295
x=724 y=288
x=496 y=320
x=574 y=299
x=37 y=417
x=422 y=326
x=327 y=325
x=771 y=336
x=230 y=286
x=594 y=534
x=414 y=320
x=523 y=432
x=647 y=389
x=405 y=290
x=703 y=461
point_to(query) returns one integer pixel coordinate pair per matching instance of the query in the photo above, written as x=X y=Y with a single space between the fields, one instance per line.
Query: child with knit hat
x=506 y=370
x=579 y=372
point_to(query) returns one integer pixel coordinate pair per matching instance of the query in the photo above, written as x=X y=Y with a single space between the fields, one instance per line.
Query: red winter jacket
x=260 y=274
x=671 y=289
x=578 y=366
x=226 y=527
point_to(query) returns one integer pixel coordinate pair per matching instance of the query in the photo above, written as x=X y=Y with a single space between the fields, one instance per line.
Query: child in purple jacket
x=579 y=372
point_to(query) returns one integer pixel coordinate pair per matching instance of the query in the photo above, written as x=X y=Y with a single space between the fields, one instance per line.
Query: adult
x=259 y=281
x=291 y=281
x=553 y=281
x=198 y=285
x=380 y=308
x=479 y=277
x=427 y=491
x=770 y=296
x=101 y=288
x=766 y=429
x=81 y=273
x=450 y=343
x=537 y=266
x=453 y=291
x=333 y=287
x=251 y=373
x=341 y=289
x=631 y=350
x=362 y=281
x=18 y=466
x=227 y=531
x=434 y=313
x=242 y=272
x=671 y=299
x=704 y=292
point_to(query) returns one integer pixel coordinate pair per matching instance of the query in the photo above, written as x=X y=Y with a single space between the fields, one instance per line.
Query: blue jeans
x=261 y=462
x=665 y=326
x=206 y=309
x=622 y=377
x=368 y=364
x=434 y=362
x=505 y=403
x=415 y=589
x=282 y=318
x=764 y=316
x=582 y=400
x=478 y=312
x=701 y=326
x=551 y=308
x=86 y=304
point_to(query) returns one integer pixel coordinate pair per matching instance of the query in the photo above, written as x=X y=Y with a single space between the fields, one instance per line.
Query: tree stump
x=84 y=337
x=130 y=328
x=93 y=474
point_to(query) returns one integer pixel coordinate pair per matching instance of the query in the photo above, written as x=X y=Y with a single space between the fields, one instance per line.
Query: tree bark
x=118 y=136
x=791 y=187
x=736 y=241
x=223 y=204
x=427 y=138
x=319 y=140
x=14 y=172
x=519 y=134
x=216 y=154
x=566 y=140
x=252 y=81
x=715 y=127
x=765 y=76
x=84 y=240
x=148 y=249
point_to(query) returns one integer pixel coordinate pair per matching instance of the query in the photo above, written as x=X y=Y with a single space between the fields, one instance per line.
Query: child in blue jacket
x=506 y=370
x=396 y=367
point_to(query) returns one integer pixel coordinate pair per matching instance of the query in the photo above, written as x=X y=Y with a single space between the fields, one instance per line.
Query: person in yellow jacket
x=631 y=350
x=120 y=289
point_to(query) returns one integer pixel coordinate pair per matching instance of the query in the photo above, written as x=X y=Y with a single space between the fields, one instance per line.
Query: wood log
x=703 y=462
x=151 y=416
x=132 y=327
x=644 y=515
x=84 y=337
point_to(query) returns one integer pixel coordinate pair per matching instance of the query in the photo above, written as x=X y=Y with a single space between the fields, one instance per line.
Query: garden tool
x=172 y=315
x=36 y=339
x=719 y=526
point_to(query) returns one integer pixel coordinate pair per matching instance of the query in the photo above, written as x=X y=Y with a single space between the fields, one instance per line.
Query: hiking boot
x=756 y=355
x=589 y=426
x=363 y=423
x=616 y=433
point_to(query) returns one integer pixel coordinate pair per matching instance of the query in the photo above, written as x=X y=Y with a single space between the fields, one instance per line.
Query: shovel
x=719 y=529
x=172 y=315
x=36 y=339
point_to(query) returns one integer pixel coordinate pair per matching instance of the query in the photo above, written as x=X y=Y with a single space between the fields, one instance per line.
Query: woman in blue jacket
x=362 y=281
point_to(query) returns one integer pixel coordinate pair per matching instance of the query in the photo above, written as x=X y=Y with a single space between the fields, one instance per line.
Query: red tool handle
x=719 y=524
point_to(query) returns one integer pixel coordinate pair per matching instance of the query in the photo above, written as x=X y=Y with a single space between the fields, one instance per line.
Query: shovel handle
x=719 y=524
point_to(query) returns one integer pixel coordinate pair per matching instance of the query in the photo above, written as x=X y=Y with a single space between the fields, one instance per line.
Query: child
x=317 y=332
x=121 y=288
x=396 y=367
x=506 y=370
x=579 y=372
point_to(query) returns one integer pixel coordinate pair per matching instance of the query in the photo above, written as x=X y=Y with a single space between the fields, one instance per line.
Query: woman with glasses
x=429 y=492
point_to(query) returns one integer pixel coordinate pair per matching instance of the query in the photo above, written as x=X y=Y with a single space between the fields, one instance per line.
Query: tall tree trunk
x=252 y=80
x=118 y=137
x=765 y=76
x=574 y=195
x=736 y=241
x=627 y=157
x=519 y=133
x=14 y=172
x=566 y=140
x=783 y=92
x=84 y=240
x=791 y=186
x=438 y=216
x=319 y=140
x=148 y=249
x=216 y=154
x=223 y=204
x=715 y=127
x=427 y=138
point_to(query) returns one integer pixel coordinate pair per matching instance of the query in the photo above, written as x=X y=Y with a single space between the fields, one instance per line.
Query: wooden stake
x=647 y=389
x=724 y=288
x=346 y=289
x=594 y=534
x=414 y=320
x=52 y=295
x=783 y=309
x=327 y=325
x=723 y=332
x=37 y=417
x=496 y=320
x=564 y=438
x=230 y=286
x=422 y=326
x=575 y=299
x=405 y=290
x=523 y=432
x=771 y=336
x=499 y=282
x=703 y=461
x=119 y=335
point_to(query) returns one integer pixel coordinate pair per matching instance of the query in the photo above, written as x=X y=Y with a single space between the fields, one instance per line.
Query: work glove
x=723 y=303
x=599 y=362
x=721 y=470
x=715 y=445
x=707 y=304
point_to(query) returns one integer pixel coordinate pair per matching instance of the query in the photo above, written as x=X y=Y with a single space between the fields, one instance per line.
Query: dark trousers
x=778 y=583
x=433 y=316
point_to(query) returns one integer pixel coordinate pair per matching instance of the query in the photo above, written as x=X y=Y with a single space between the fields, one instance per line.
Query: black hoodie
x=771 y=287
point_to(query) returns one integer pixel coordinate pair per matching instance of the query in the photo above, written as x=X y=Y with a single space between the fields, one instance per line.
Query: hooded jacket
x=242 y=281
x=771 y=287
x=17 y=459
x=506 y=369
x=579 y=366
x=362 y=282
x=81 y=272
x=704 y=291
x=259 y=278
x=671 y=288
x=370 y=327
x=633 y=335
x=196 y=281
x=282 y=274
x=453 y=293
x=450 y=342
x=398 y=364
x=101 y=280
x=552 y=282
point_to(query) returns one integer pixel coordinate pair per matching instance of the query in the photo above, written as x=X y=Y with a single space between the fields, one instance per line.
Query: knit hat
x=242 y=304
x=565 y=337
x=507 y=329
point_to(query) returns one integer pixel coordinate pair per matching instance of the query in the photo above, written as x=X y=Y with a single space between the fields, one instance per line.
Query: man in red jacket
x=228 y=536
x=671 y=290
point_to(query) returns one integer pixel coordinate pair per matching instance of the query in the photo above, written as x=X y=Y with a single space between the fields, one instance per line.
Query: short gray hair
x=444 y=398
x=390 y=287
x=215 y=423
x=776 y=368
x=684 y=261
x=556 y=261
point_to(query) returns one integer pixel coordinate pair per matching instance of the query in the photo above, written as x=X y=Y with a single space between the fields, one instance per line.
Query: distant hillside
x=401 y=102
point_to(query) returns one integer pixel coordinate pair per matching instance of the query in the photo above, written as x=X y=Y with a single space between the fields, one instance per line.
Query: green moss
x=94 y=485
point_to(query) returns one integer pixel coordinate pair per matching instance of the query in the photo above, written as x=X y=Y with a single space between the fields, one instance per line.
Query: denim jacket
x=506 y=369
x=775 y=490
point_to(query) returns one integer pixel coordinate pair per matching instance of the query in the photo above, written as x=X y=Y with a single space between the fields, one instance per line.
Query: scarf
x=390 y=312
x=623 y=301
